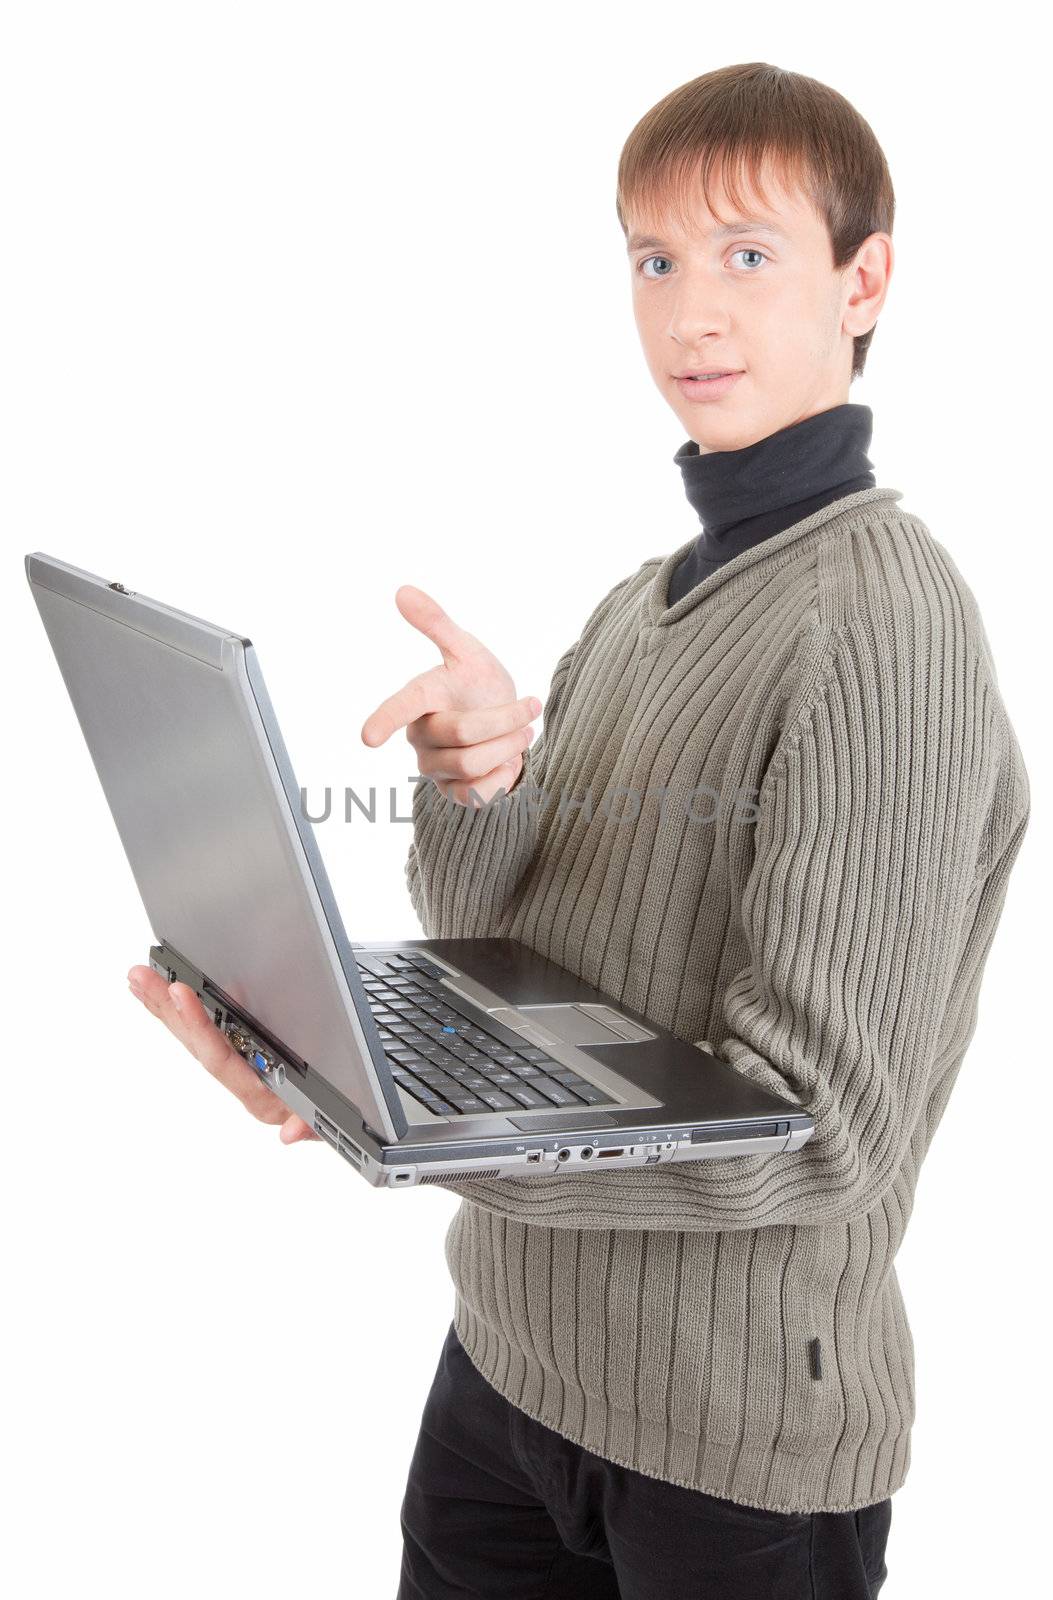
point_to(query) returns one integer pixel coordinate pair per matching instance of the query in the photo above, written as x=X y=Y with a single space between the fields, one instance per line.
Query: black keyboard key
x=555 y=1092
x=372 y=965
x=468 y=1102
x=431 y=1096
x=429 y=968
x=496 y=1100
x=528 y=1097
x=592 y=1095
x=419 y=1092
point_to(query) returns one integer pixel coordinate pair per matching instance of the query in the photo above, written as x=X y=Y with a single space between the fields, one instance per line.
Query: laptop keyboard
x=443 y=1058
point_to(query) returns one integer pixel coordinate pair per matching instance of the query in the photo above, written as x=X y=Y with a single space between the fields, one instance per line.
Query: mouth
x=711 y=385
x=708 y=374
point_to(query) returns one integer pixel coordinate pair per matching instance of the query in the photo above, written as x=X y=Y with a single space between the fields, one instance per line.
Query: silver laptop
x=417 y=1059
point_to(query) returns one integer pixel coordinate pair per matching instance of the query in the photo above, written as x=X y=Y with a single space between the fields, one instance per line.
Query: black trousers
x=500 y=1507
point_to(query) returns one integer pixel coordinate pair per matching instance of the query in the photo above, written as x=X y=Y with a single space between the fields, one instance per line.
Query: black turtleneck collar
x=744 y=496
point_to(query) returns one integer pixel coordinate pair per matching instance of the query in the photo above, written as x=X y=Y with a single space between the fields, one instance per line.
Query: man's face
x=761 y=301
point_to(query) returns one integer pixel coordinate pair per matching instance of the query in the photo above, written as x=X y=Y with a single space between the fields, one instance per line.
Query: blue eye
x=749 y=250
x=652 y=258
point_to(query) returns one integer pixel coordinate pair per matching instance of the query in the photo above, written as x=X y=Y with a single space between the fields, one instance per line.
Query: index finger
x=426 y=614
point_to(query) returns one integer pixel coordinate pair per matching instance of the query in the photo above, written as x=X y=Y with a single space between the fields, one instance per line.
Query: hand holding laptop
x=462 y=718
x=194 y=1028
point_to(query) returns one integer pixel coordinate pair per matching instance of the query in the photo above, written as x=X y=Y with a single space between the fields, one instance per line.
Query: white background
x=300 y=303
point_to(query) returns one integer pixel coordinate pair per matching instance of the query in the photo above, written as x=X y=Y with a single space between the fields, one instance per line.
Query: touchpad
x=582 y=1024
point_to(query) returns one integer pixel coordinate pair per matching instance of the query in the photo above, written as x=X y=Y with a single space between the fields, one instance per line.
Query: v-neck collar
x=659 y=615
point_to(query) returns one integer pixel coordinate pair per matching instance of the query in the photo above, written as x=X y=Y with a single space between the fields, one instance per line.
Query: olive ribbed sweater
x=735 y=1325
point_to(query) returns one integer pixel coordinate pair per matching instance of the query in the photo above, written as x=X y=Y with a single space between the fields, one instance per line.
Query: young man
x=698 y=1378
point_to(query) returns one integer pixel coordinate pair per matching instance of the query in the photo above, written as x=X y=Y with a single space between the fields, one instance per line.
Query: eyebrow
x=639 y=241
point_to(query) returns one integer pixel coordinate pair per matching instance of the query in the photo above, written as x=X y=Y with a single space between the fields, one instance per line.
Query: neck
x=743 y=496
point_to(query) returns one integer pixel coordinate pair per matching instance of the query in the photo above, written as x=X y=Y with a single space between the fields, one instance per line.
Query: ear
x=867 y=279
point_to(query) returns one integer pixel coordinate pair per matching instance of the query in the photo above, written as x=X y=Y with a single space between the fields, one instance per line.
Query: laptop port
x=327 y=1129
x=619 y=1152
x=534 y=1155
x=587 y=1152
x=563 y=1155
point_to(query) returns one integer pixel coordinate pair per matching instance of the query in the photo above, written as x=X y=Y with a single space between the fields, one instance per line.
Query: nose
x=698 y=314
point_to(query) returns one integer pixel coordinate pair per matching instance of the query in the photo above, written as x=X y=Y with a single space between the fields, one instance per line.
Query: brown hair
x=745 y=117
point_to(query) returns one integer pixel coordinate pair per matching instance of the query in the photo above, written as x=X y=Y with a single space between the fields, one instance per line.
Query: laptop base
x=498 y=1145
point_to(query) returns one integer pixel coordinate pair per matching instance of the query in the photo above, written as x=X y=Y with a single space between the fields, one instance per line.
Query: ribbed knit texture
x=838 y=675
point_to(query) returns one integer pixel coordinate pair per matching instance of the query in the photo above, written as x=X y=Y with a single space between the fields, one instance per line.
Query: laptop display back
x=183 y=736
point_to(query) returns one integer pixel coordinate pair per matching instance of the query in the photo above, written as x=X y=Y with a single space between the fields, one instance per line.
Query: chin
x=719 y=433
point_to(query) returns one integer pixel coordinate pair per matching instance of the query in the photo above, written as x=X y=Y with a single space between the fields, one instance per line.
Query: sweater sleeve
x=464 y=866
x=872 y=891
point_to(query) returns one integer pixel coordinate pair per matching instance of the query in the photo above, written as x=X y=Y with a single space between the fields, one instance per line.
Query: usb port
x=327 y=1129
x=351 y=1151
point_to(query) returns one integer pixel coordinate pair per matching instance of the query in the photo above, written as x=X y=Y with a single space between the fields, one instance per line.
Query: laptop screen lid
x=184 y=740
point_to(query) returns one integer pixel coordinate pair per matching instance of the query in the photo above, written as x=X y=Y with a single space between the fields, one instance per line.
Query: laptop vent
x=444 y=1177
